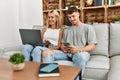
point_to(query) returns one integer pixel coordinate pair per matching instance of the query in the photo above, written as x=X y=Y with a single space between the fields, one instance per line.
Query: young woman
x=51 y=37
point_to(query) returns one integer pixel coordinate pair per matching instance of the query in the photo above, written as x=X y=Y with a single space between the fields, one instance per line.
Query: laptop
x=31 y=36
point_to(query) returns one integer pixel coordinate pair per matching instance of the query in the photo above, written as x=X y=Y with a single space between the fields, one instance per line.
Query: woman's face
x=51 y=19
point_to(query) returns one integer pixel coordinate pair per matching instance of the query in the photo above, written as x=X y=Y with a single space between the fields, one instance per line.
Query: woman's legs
x=57 y=55
x=37 y=53
x=80 y=59
x=26 y=51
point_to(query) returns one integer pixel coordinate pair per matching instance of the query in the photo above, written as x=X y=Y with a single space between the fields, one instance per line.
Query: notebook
x=31 y=36
x=48 y=70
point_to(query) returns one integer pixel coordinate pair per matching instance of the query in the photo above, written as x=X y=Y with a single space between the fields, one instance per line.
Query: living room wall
x=15 y=14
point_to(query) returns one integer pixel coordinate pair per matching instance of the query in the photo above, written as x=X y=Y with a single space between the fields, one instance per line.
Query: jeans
x=57 y=55
x=26 y=50
x=79 y=59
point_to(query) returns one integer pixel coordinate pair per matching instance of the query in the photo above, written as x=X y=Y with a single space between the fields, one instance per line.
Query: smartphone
x=66 y=44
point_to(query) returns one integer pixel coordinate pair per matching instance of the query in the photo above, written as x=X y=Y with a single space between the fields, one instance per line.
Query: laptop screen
x=31 y=36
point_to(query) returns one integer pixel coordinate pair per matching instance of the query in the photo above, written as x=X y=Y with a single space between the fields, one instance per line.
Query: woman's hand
x=47 y=42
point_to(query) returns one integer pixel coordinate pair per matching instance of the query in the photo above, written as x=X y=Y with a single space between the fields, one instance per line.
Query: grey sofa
x=104 y=61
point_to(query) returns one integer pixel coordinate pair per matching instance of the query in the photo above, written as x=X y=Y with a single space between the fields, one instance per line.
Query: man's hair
x=71 y=10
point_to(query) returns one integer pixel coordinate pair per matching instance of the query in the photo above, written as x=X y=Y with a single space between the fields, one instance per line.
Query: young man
x=81 y=38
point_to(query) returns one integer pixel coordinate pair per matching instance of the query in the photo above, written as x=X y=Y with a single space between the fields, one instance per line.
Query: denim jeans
x=57 y=55
x=26 y=50
x=79 y=59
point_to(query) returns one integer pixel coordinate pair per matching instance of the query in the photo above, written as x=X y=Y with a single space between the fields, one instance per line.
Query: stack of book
x=99 y=2
x=47 y=70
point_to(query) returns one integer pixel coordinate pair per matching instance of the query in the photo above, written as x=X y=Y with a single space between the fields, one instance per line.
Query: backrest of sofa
x=114 y=39
x=101 y=31
x=38 y=27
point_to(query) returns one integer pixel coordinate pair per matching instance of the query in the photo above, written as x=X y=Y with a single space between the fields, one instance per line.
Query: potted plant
x=117 y=19
x=71 y=3
x=18 y=61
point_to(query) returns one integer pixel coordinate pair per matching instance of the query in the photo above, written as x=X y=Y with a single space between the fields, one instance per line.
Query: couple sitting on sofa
x=80 y=36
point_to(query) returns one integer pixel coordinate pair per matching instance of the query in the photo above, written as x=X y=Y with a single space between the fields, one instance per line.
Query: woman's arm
x=42 y=33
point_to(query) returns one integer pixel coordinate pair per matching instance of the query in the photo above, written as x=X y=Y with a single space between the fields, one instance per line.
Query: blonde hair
x=57 y=16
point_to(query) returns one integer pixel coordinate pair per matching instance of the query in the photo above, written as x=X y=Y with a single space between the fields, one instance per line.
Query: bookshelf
x=103 y=12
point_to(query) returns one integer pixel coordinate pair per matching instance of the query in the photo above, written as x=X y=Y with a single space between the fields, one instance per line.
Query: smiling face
x=52 y=19
x=73 y=18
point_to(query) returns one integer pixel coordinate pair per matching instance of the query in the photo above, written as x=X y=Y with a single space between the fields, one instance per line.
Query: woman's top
x=52 y=35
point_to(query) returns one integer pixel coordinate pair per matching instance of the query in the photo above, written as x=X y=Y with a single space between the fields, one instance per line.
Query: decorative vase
x=89 y=2
x=117 y=22
x=17 y=67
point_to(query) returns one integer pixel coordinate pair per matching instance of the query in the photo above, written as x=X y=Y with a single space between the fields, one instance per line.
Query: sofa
x=104 y=60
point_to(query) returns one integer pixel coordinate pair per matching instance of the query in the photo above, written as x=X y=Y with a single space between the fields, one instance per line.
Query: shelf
x=96 y=7
x=92 y=14
x=50 y=10
x=113 y=6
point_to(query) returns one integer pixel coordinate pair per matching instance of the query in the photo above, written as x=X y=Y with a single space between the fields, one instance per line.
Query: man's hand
x=73 y=49
x=64 y=48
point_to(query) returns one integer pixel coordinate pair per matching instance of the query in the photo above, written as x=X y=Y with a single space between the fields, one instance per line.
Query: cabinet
x=88 y=14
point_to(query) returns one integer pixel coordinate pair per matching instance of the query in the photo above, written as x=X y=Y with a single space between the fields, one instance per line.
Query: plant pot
x=17 y=67
x=117 y=22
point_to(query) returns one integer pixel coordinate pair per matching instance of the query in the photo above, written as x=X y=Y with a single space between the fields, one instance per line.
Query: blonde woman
x=51 y=36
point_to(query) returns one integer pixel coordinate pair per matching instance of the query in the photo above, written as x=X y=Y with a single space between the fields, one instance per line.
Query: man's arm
x=88 y=48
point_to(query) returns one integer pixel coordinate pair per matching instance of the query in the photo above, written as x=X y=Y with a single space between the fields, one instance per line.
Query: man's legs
x=57 y=55
x=26 y=51
x=80 y=59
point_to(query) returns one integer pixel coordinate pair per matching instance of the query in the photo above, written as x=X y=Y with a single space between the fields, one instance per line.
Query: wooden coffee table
x=31 y=69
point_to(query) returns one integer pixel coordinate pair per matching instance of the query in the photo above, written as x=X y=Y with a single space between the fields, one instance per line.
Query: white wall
x=30 y=12
x=15 y=14
x=8 y=22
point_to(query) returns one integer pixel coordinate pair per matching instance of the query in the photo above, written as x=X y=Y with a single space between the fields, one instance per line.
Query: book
x=96 y=2
x=111 y=2
x=100 y=2
x=48 y=70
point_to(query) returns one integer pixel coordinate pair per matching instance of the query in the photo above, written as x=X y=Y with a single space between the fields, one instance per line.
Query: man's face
x=73 y=18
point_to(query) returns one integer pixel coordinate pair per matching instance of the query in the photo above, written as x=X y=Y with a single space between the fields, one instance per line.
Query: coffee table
x=31 y=69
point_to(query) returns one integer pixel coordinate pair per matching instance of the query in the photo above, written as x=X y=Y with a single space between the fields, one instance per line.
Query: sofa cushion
x=8 y=54
x=64 y=62
x=114 y=39
x=114 y=73
x=98 y=66
x=102 y=39
x=1 y=52
x=8 y=51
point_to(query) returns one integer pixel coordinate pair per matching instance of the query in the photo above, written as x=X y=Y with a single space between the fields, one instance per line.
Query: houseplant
x=18 y=61
x=71 y=3
x=116 y=19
